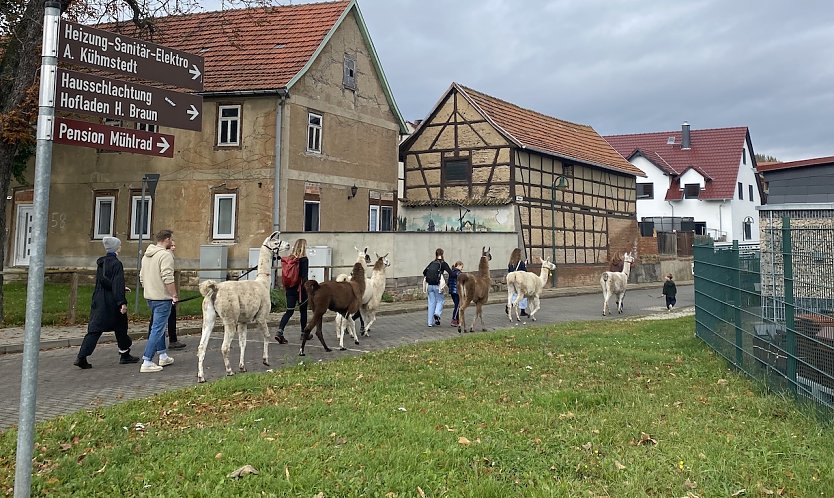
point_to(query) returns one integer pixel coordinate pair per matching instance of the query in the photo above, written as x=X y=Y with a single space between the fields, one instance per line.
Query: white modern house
x=701 y=180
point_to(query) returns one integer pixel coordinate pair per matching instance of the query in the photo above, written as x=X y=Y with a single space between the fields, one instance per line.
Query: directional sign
x=98 y=49
x=88 y=94
x=99 y=136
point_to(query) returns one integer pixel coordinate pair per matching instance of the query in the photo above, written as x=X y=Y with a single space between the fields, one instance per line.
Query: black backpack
x=432 y=272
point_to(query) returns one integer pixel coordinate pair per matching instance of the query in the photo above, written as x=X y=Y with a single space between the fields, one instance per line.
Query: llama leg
x=510 y=294
x=305 y=334
x=370 y=319
x=321 y=337
x=208 y=326
x=517 y=306
x=535 y=305
x=340 y=330
x=620 y=302
x=352 y=329
x=242 y=333
x=364 y=327
x=480 y=314
x=462 y=316
x=264 y=327
x=228 y=333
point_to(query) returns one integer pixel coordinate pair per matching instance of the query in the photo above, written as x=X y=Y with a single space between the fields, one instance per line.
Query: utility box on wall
x=213 y=262
x=321 y=257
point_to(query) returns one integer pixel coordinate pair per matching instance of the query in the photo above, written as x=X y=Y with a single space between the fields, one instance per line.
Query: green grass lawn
x=56 y=304
x=620 y=409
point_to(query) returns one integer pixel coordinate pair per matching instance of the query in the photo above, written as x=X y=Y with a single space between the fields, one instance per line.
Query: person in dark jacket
x=457 y=269
x=433 y=274
x=296 y=296
x=517 y=264
x=108 y=310
x=670 y=290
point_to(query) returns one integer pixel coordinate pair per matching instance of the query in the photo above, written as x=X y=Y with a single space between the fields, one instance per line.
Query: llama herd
x=239 y=303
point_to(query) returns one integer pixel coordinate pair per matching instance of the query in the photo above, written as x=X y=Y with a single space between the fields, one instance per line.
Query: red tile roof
x=817 y=161
x=549 y=135
x=715 y=153
x=249 y=49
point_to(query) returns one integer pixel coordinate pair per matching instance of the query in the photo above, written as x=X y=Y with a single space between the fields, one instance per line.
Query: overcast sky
x=624 y=66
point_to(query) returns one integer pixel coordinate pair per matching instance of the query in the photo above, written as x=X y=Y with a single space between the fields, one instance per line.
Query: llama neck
x=545 y=274
x=483 y=267
x=264 y=264
x=627 y=268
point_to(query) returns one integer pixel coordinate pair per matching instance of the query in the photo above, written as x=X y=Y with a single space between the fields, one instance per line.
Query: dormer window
x=691 y=190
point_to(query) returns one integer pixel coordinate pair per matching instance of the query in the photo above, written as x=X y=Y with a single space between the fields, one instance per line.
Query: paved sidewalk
x=52 y=337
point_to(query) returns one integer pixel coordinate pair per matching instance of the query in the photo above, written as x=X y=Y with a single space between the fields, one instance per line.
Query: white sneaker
x=153 y=367
x=668 y=307
x=164 y=362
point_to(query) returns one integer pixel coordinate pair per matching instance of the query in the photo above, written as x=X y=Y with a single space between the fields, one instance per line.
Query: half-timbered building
x=478 y=163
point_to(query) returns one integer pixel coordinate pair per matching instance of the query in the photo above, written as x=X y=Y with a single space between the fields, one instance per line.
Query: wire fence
x=769 y=310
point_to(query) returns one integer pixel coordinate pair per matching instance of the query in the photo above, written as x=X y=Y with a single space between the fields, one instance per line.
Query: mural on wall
x=459 y=219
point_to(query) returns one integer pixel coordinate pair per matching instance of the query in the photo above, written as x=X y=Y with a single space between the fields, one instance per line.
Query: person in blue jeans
x=517 y=264
x=457 y=268
x=433 y=274
x=160 y=290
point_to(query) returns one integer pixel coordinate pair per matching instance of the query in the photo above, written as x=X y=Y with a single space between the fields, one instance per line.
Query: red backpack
x=290 y=276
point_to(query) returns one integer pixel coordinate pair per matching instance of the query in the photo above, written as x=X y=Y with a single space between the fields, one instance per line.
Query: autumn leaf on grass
x=587 y=446
x=320 y=494
x=243 y=471
x=462 y=440
x=645 y=439
x=618 y=465
x=740 y=492
x=689 y=484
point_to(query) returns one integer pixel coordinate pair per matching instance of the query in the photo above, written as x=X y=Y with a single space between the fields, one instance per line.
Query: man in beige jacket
x=157 y=277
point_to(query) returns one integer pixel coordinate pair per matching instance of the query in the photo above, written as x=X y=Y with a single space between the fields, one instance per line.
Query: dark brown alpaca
x=344 y=298
x=475 y=288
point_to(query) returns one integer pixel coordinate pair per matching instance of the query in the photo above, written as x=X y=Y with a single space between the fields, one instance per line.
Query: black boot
x=127 y=358
x=81 y=362
x=280 y=337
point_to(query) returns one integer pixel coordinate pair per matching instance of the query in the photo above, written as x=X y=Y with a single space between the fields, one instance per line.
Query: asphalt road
x=64 y=388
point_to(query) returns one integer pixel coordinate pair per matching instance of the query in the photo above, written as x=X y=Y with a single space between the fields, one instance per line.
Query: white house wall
x=741 y=209
x=651 y=207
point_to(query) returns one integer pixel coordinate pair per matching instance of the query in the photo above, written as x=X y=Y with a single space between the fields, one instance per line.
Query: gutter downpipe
x=276 y=184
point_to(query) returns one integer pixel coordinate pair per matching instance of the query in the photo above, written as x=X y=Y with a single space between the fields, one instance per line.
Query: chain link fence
x=769 y=309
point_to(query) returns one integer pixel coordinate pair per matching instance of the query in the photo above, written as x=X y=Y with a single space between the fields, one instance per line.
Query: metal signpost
x=149 y=182
x=104 y=97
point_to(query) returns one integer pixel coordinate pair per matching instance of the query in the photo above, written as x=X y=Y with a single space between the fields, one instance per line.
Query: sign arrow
x=195 y=71
x=193 y=112
x=163 y=145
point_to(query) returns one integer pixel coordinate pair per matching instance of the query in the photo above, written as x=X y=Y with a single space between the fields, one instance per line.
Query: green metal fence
x=769 y=309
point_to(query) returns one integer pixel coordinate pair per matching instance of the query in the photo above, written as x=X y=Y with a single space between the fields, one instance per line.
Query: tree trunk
x=18 y=69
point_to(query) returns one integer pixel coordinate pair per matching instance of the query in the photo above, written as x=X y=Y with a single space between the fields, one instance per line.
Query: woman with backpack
x=294 y=272
x=434 y=274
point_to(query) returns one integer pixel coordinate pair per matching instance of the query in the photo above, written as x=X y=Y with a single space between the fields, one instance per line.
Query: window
x=381 y=211
x=740 y=191
x=140 y=211
x=373 y=219
x=456 y=171
x=748 y=229
x=743 y=155
x=645 y=190
x=314 y=133
x=349 y=79
x=147 y=127
x=751 y=193
x=228 y=125
x=691 y=191
x=223 y=225
x=386 y=219
x=311 y=216
x=103 y=214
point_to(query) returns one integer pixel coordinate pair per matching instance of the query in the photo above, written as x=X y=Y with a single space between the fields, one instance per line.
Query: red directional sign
x=89 y=94
x=98 y=49
x=99 y=136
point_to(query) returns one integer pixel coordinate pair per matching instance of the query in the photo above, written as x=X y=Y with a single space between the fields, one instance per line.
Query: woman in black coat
x=108 y=310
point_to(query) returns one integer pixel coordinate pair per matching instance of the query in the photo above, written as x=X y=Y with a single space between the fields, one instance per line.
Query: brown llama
x=475 y=288
x=344 y=298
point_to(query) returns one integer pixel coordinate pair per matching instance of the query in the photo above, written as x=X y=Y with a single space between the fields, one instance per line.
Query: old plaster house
x=478 y=163
x=698 y=180
x=299 y=132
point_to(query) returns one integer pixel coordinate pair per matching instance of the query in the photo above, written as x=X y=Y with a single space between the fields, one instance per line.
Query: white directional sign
x=99 y=96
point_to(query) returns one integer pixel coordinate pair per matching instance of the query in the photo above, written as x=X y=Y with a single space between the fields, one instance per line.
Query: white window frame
x=314 y=133
x=215 y=229
x=135 y=203
x=373 y=218
x=97 y=217
x=318 y=222
x=226 y=122
x=151 y=128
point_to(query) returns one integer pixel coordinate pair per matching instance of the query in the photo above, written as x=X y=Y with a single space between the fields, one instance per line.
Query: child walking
x=670 y=290
x=453 y=291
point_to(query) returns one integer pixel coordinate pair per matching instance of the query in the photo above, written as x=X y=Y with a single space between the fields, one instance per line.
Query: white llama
x=239 y=303
x=527 y=284
x=614 y=283
x=374 y=288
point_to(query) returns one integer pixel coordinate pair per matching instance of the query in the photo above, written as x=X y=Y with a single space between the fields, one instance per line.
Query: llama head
x=381 y=261
x=628 y=257
x=485 y=253
x=362 y=255
x=274 y=243
x=547 y=264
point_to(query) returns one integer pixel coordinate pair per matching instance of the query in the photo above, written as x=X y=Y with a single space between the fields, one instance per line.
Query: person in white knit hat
x=108 y=310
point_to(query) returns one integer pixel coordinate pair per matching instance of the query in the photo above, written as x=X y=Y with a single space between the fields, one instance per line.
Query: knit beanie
x=111 y=244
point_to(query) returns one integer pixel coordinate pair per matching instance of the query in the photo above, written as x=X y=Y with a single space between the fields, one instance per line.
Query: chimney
x=685 y=140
